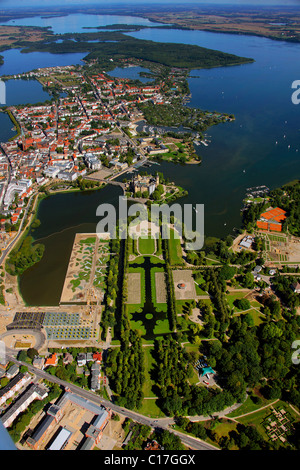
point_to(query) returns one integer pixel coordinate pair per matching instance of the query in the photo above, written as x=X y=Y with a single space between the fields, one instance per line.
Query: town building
x=247 y=242
x=34 y=392
x=12 y=371
x=55 y=414
x=272 y=219
x=51 y=360
x=61 y=440
x=81 y=359
x=296 y=287
x=144 y=183
x=95 y=376
x=92 y=162
x=14 y=386
x=38 y=362
x=15 y=187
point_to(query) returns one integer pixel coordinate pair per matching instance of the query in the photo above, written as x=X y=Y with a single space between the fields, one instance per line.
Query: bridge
x=107 y=181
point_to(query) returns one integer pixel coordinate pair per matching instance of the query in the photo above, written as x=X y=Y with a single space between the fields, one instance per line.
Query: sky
x=47 y=3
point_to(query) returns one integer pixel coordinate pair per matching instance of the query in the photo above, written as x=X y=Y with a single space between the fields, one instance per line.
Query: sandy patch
x=134 y=288
x=160 y=288
x=184 y=278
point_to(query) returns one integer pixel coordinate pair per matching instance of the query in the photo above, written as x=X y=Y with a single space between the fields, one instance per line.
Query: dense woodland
x=125 y=365
x=176 y=115
x=27 y=255
x=118 y=46
x=125 y=368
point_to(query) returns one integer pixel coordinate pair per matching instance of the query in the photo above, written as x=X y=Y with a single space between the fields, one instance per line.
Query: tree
x=242 y=304
x=31 y=353
x=271 y=331
x=248 y=280
x=226 y=273
x=169 y=440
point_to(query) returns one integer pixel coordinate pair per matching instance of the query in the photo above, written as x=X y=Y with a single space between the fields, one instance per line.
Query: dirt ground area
x=282 y=248
x=196 y=316
x=100 y=175
x=76 y=420
x=184 y=277
x=113 y=435
x=134 y=288
x=5 y=319
x=6 y=238
x=236 y=243
x=19 y=340
x=160 y=288
x=13 y=298
x=291 y=249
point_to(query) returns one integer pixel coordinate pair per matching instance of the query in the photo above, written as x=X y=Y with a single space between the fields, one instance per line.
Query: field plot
x=86 y=274
x=134 y=288
x=281 y=248
x=184 y=284
x=160 y=287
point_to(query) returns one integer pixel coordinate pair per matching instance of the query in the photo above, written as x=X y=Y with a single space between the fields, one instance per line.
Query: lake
x=77 y=22
x=131 y=72
x=260 y=148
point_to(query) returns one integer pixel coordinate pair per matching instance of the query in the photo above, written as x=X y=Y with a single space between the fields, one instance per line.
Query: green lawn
x=162 y=327
x=149 y=371
x=146 y=246
x=175 y=249
x=232 y=297
x=224 y=428
x=149 y=408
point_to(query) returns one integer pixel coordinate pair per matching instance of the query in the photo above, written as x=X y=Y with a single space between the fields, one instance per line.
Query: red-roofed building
x=271 y=219
x=97 y=357
x=51 y=360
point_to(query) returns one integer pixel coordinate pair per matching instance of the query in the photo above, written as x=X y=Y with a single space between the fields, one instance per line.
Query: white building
x=16 y=187
x=33 y=393
x=67 y=176
x=13 y=386
x=92 y=161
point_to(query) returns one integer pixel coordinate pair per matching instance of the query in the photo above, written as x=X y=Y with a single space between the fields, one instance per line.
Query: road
x=162 y=423
x=12 y=243
x=8 y=179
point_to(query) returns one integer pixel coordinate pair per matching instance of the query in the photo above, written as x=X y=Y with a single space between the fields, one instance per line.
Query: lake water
x=77 y=22
x=261 y=147
x=259 y=95
x=130 y=72
x=19 y=92
x=16 y=62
